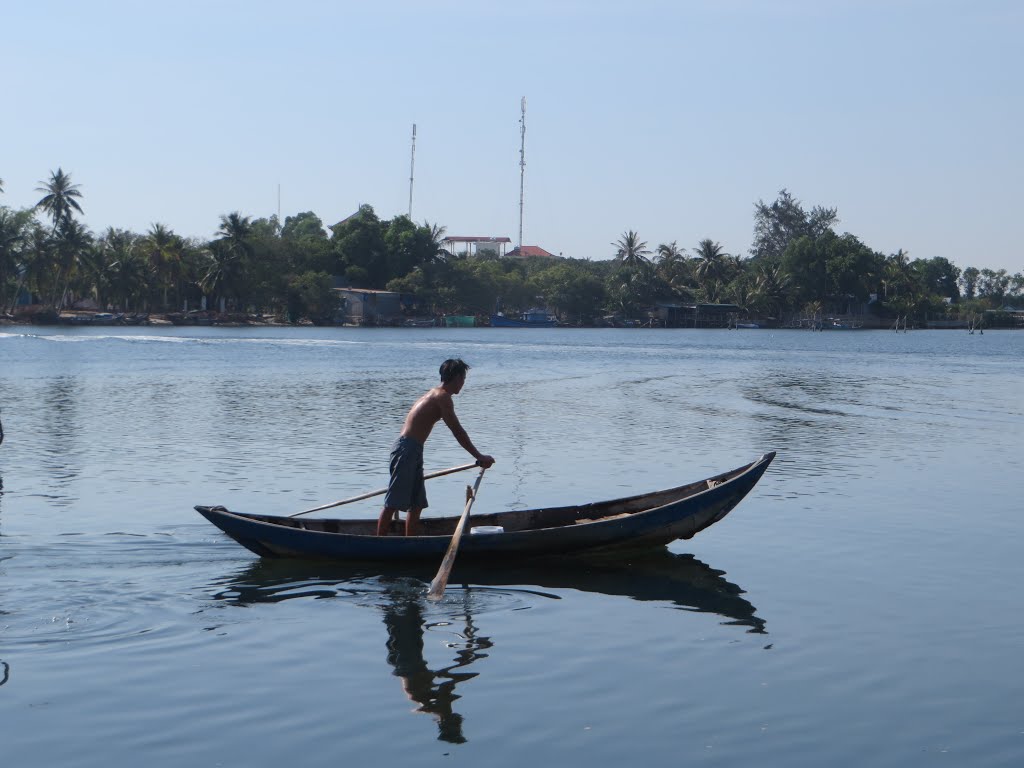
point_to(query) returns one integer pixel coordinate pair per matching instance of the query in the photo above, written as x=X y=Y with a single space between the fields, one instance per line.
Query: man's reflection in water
x=432 y=690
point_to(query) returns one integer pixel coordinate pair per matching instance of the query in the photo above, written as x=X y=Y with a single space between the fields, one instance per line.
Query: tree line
x=798 y=264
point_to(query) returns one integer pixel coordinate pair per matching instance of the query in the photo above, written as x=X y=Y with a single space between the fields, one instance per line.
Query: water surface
x=860 y=607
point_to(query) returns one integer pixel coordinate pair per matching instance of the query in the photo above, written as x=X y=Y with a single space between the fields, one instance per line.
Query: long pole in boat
x=412 y=167
x=522 y=168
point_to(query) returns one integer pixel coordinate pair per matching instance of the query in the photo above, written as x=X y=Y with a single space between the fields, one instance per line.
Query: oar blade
x=440 y=582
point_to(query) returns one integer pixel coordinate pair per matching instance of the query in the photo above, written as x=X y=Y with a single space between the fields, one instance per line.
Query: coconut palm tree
x=223 y=273
x=60 y=198
x=236 y=234
x=631 y=250
x=436 y=234
x=711 y=261
x=670 y=252
x=898 y=275
x=127 y=270
x=165 y=251
x=228 y=257
x=15 y=229
x=674 y=269
x=71 y=240
x=771 y=289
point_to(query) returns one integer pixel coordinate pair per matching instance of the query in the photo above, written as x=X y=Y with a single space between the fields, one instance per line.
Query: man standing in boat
x=407 y=490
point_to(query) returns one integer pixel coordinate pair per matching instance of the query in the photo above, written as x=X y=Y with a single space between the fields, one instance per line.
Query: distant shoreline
x=161 y=320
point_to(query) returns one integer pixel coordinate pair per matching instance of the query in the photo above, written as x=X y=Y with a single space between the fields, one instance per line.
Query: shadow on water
x=679 y=581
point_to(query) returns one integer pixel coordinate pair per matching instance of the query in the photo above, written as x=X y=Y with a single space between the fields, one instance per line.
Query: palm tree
x=223 y=273
x=228 y=258
x=771 y=288
x=670 y=252
x=71 y=241
x=15 y=227
x=236 y=234
x=711 y=261
x=164 y=250
x=127 y=270
x=631 y=250
x=897 y=274
x=436 y=233
x=60 y=198
x=674 y=269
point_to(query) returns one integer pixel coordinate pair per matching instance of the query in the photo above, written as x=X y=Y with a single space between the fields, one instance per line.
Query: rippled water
x=860 y=607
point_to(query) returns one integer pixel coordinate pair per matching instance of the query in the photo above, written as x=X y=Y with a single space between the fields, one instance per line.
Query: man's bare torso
x=426 y=412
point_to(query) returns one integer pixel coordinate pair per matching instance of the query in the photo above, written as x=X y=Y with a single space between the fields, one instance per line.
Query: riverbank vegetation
x=799 y=265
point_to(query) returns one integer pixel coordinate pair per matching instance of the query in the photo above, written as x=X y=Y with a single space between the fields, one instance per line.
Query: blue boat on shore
x=626 y=524
x=533 y=318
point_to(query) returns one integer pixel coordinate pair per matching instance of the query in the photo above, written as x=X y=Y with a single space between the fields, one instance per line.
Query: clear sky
x=670 y=117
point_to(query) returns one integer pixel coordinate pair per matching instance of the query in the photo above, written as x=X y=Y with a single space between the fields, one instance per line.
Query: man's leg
x=412 y=521
x=384 y=523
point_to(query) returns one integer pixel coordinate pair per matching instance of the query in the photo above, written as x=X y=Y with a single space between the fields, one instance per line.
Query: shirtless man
x=407 y=490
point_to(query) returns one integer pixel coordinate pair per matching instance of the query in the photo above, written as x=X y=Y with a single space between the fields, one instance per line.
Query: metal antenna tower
x=412 y=166
x=522 y=168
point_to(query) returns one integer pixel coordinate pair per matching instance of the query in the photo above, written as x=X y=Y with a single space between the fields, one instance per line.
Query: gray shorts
x=406 y=489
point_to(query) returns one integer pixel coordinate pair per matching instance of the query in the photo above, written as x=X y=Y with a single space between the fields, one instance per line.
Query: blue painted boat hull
x=500 y=321
x=647 y=520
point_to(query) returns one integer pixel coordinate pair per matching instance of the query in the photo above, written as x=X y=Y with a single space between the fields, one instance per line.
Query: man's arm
x=452 y=421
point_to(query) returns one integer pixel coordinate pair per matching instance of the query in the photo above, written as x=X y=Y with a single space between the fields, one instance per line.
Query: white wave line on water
x=189 y=339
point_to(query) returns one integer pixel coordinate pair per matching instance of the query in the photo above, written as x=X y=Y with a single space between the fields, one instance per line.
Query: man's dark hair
x=452 y=369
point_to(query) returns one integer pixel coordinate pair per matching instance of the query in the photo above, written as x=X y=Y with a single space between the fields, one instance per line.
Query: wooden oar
x=371 y=494
x=437 y=586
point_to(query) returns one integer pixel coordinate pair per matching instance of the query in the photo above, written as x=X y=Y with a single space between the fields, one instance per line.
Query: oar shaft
x=437 y=586
x=371 y=494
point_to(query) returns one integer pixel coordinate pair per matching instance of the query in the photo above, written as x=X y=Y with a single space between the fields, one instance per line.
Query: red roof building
x=528 y=251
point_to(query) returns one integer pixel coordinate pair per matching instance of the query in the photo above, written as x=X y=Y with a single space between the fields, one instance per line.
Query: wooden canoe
x=648 y=520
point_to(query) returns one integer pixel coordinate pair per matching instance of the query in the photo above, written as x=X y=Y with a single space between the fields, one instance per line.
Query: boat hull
x=500 y=321
x=636 y=522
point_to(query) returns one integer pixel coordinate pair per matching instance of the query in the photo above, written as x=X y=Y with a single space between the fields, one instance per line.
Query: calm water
x=861 y=607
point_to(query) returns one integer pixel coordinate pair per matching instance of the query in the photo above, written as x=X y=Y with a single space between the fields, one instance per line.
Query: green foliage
x=311 y=295
x=572 y=290
x=937 y=276
x=778 y=225
x=798 y=263
x=358 y=245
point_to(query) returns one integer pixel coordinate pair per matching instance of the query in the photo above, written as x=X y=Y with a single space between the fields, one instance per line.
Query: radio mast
x=412 y=166
x=522 y=168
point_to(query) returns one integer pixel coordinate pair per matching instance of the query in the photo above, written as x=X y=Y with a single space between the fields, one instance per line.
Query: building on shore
x=697 y=315
x=531 y=251
x=460 y=245
x=365 y=306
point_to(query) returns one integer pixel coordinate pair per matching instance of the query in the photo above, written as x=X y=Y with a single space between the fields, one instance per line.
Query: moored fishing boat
x=533 y=318
x=646 y=520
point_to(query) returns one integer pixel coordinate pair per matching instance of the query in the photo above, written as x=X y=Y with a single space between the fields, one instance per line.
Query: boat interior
x=518 y=520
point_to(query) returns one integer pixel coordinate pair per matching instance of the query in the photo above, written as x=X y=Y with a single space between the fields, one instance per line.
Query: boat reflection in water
x=679 y=580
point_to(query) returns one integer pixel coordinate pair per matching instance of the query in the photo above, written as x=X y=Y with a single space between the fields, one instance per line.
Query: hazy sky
x=670 y=118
